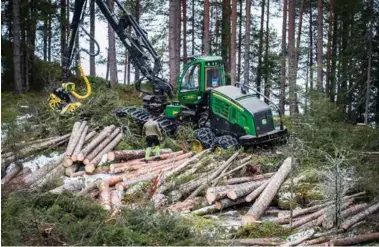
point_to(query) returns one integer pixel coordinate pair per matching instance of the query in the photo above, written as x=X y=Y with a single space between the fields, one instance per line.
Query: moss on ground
x=263 y=230
x=45 y=219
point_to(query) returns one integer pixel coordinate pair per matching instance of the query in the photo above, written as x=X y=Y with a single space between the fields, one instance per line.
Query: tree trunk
x=316 y=241
x=206 y=28
x=174 y=33
x=185 y=56
x=260 y=48
x=225 y=37
x=137 y=16
x=16 y=44
x=351 y=221
x=370 y=237
x=92 y=62
x=115 y=200
x=267 y=87
x=225 y=203
x=233 y=43
x=41 y=172
x=45 y=35
x=259 y=207
x=50 y=177
x=239 y=48
x=80 y=144
x=283 y=59
x=246 y=78
x=112 y=61
x=49 y=36
x=75 y=136
x=13 y=173
x=105 y=197
x=310 y=47
x=327 y=223
x=319 y=44
x=87 y=149
x=217 y=193
x=193 y=28
x=253 y=242
x=244 y=189
x=185 y=206
x=206 y=210
x=329 y=47
x=63 y=27
x=126 y=155
x=292 y=58
x=368 y=87
x=335 y=43
x=255 y=193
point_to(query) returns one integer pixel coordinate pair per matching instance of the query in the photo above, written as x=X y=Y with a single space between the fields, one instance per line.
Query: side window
x=213 y=77
x=191 y=79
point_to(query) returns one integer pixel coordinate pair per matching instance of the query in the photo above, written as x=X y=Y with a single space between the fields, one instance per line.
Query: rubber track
x=141 y=115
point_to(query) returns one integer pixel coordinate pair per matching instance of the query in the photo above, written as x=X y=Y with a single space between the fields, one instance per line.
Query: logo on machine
x=264 y=121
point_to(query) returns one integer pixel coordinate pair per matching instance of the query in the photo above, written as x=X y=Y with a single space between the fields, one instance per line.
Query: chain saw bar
x=134 y=38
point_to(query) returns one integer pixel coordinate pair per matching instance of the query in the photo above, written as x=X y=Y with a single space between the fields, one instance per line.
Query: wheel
x=204 y=139
x=226 y=142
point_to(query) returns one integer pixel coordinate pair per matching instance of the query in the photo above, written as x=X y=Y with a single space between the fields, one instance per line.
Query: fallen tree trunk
x=13 y=173
x=90 y=168
x=71 y=170
x=327 y=222
x=159 y=201
x=225 y=203
x=351 y=221
x=216 y=193
x=72 y=186
x=49 y=166
x=263 y=201
x=114 y=180
x=101 y=146
x=95 y=184
x=205 y=210
x=75 y=136
x=50 y=177
x=131 y=154
x=244 y=189
x=78 y=174
x=364 y=238
x=80 y=144
x=316 y=241
x=87 y=149
x=252 y=241
x=115 y=200
x=255 y=193
x=105 y=197
x=248 y=179
x=185 y=206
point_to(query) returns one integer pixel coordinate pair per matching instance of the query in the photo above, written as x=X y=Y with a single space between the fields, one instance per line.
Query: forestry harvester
x=225 y=116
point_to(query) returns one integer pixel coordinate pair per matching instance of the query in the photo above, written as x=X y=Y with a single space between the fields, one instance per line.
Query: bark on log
x=80 y=144
x=252 y=242
x=217 y=193
x=327 y=222
x=72 y=186
x=88 y=148
x=316 y=241
x=90 y=168
x=105 y=197
x=95 y=184
x=78 y=174
x=364 y=238
x=115 y=200
x=244 y=189
x=77 y=131
x=71 y=170
x=50 y=177
x=13 y=173
x=225 y=203
x=38 y=174
x=131 y=154
x=255 y=193
x=249 y=179
x=165 y=187
x=159 y=200
x=114 y=180
x=101 y=146
x=185 y=206
x=351 y=221
x=101 y=169
x=263 y=201
x=89 y=136
x=205 y=210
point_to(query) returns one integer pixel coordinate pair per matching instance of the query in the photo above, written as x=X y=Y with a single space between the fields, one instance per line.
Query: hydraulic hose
x=88 y=85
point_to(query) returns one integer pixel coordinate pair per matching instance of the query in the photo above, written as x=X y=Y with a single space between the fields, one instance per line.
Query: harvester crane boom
x=134 y=38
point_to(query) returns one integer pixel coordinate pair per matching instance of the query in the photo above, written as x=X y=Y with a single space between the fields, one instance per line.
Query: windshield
x=191 y=79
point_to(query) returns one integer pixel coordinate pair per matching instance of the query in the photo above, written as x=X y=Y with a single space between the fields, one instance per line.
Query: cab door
x=189 y=85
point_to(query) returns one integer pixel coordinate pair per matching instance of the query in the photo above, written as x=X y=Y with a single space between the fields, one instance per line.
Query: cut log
x=77 y=131
x=159 y=200
x=253 y=195
x=105 y=197
x=185 y=206
x=115 y=200
x=89 y=136
x=316 y=241
x=13 y=173
x=217 y=193
x=244 y=189
x=78 y=174
x=72 y=186
x=351 y=221
x=80 y=144
x=71 y=170
x=252 y=242
x=111 y=181
x=300 y=237
x=88 y=148
x=101 y=169
x=205 y=210
x=50 y=177
x=225 y=203
x=165 y=187
x=131 y=154
x=327 y=222
x=263 y=201
x=249 y=179
x=67 y=162
x=101 y=146
x=90 y=168
x=364 y=238
x=38 y=174
x=93 y=185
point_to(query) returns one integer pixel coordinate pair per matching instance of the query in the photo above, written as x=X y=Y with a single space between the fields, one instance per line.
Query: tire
x=205 y=136
x=226 y=142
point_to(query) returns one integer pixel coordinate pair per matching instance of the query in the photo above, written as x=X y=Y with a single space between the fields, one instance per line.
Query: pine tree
x=319 y=44
x=206 y=28
x=246 y=75
x=112 y=61
x=283 y=59
x=92 y=61
x=16 y=46
x=233 y=43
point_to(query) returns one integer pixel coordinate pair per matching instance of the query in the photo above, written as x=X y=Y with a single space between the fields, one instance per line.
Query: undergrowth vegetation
x=47 y=219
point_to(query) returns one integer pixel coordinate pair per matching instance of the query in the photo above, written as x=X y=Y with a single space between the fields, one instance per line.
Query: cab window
x=212 y=77
x=191 y=79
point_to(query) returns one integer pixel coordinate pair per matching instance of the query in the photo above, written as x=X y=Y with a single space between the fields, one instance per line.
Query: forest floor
x=79 y=220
